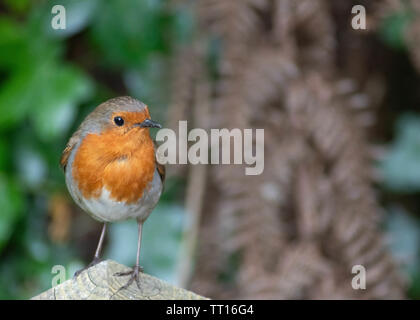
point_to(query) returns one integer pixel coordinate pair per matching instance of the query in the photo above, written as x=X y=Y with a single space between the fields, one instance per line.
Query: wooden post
x=99 y=283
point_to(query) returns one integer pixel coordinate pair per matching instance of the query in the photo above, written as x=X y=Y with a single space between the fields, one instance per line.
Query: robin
x=111 y=170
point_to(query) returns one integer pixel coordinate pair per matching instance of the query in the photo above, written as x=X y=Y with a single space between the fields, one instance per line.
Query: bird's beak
x=148 y=123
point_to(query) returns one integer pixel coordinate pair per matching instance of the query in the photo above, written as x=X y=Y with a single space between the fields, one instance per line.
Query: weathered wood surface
x=99 y=283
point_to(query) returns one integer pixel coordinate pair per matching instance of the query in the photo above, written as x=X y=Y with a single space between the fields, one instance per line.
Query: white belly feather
x=107 y=210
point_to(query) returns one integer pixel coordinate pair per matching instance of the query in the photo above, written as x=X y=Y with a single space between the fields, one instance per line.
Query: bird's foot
x=134 y=276
x=95 y=261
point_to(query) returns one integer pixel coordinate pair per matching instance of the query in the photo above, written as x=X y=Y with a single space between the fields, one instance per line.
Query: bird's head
x=123 y=123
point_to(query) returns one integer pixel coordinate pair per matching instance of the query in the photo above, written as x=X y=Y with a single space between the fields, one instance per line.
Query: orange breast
x=124 y=165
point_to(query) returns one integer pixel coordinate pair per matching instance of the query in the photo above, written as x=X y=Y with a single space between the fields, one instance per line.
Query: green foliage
x=401 y=166
x=404 y=231
x=39 y=85
x=17 y=6
x=400 y=169
x=127 y=33
x=393 y=28
x=49 y=81
x=11 y=204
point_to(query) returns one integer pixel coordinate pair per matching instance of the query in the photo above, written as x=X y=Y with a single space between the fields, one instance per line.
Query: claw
x=95 y=261
x=134 y=276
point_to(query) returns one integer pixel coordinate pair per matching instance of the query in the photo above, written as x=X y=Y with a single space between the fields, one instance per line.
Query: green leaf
x=404 y=231
x=18 y=5
x=16 y=97
x=12 y=43
x=393 y=28
x=54 y=108
x=127 y=32
x=25 y=59
x=11 y=204
x=4 y=154
x=21 y=47
x=49 y=92
x=401 y=166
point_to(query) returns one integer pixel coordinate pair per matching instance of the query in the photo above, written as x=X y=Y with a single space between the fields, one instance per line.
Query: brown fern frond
x=296 y=230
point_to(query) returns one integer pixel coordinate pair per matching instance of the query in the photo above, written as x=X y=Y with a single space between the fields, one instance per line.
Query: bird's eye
x=119 y=121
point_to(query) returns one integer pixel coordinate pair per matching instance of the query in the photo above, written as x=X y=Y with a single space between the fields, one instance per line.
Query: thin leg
x=101 y=241
x=136 y=269
x=96 y=258
x=140 y=226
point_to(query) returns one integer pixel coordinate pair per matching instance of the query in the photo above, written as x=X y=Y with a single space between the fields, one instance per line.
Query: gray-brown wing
x=67 y=150
x=160 y=167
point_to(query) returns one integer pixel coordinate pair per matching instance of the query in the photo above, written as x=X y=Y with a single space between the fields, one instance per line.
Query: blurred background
x=340 y=109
